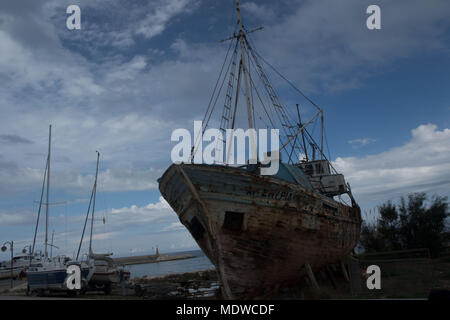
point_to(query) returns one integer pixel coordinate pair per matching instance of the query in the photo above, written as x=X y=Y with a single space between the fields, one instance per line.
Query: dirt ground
x=409 y=282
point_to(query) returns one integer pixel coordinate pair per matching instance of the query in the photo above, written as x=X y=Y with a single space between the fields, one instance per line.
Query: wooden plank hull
x=258 y=231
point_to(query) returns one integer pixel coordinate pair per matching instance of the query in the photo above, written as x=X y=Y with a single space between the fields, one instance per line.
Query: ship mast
x=243 y=69
x=93 y=205
x=272 y=108
x=40 y=206
x=48 y=189
x=241 y=37
x=93 y=195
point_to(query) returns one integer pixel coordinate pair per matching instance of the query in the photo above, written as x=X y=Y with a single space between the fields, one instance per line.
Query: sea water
x=198 y=263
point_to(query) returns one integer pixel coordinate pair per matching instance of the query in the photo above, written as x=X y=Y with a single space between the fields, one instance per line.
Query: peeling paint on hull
x=258 y=231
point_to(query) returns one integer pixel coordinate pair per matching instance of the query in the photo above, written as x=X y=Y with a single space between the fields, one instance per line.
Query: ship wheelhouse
x=322 y=179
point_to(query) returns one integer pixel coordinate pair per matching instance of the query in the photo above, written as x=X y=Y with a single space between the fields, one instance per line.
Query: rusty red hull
x=258 y=231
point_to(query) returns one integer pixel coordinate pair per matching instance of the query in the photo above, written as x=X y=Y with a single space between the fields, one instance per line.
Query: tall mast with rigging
x=274 y=110
x=93 y=204
x=243 y=69
x=93 y=195
x=48 y=190
x=241 y=37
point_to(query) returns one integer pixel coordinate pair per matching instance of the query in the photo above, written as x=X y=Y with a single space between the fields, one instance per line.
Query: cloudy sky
x=138 y=69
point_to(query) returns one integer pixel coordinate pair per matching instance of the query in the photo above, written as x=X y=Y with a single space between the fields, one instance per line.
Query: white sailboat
x=15 y=268
x=106 y=271
x=50 y=273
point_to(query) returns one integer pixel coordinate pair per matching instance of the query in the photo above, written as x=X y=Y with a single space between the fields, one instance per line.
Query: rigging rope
x=303 y=94
x=198 y=138
x=289 y=82
x=40 y=206
x=286 y=125
x=282 y=114
x=217 y=82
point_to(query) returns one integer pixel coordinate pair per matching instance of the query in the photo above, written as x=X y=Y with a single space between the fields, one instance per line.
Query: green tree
x=412 y=224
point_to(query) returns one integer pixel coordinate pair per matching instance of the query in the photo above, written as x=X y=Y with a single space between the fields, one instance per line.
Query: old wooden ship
x=261 y=230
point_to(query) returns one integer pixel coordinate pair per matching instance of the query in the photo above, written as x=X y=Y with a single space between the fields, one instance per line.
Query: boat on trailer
x=46 y=273
x=106 y=273
x=262 y=232
x=50 y=275
x=20 y=264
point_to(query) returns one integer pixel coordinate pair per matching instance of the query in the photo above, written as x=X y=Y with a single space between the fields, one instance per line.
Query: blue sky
x=139 y=69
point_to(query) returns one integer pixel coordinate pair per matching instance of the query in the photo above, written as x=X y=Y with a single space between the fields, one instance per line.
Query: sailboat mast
x=51 y=246
x=93 y=204
x=244 y=66
x=48 y=190
x=39 y=210
x=244 y=69
x=322 y=134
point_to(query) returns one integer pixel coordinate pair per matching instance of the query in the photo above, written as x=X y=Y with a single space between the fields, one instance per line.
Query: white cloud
x=110 y=180
x=148 y=225
x=159 y=211
x=15 y=218
x=326 y=45
x=124 y=107
x=126 y=22
x=128 y=70
x=175 y=226
x=35 y=71
x=155 y=22
x=361 y=142
x=129 y=121
x=258 y=10
x=421 y=164
x=105 y=235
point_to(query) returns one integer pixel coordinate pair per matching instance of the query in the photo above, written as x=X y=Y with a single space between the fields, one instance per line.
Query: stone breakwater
x=150 y=259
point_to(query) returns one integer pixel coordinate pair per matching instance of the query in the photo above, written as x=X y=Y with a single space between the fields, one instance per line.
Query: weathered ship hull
x=258 y=231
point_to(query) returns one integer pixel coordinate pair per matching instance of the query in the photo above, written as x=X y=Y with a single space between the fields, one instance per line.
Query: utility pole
x=11 y=247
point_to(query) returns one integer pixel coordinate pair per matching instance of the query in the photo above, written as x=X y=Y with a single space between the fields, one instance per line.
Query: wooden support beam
x=329 y=273
x=311 y=277
x=355 y=275
x=344 y=271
